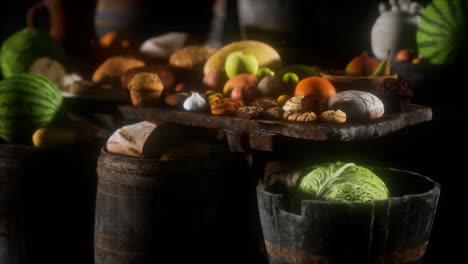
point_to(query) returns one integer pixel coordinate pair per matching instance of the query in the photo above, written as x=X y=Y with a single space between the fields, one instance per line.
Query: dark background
x=330 y=33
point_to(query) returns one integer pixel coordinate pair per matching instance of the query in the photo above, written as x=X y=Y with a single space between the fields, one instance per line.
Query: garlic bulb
x=195 y=103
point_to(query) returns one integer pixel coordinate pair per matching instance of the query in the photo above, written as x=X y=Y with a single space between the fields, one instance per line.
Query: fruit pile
x=32 y=110
x=246 y=79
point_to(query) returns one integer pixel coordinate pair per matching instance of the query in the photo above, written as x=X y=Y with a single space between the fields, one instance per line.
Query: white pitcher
x=396 y=27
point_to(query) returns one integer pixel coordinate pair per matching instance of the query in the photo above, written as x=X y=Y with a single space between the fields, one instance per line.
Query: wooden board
x=262 y=132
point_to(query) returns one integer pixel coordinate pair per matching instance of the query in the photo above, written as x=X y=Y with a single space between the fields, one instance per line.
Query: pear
x=384 y=67
x=362 y=65
x=302 y=71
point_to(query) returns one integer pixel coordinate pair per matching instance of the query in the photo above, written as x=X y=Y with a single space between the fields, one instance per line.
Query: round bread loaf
x=357 y=105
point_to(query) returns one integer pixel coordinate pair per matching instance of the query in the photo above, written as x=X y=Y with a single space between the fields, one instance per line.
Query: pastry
x=114 y=67
x=225 y=106
x=314 y=103
x=249 y=112
x=300 y=117
x=274 y=113
x=333 y=116
x=264 y=102
x=166 y=73
x=294 y=104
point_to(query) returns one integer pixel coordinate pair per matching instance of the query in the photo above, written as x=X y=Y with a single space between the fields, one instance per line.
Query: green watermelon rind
x=27 y=101
x=22 y=48
x=441 y=31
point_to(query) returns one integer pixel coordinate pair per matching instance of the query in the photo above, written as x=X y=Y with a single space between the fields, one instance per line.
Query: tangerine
x=316 y=86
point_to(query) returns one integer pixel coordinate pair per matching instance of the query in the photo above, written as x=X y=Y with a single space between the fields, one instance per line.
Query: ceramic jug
x=122 y=16
x=396 y=27
x=56 y=17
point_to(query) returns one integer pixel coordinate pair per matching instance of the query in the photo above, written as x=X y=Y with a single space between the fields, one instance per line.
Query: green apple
x=302 y=71
x=238 y=62
x=290 y=79
x=263 y=72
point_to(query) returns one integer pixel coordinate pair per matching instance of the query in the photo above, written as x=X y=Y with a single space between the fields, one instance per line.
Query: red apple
x=241 y=87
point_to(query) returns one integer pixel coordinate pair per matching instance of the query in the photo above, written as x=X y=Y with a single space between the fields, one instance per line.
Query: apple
x=241 y=87
x=215 y=80
x=238 y=62
x=406 y=55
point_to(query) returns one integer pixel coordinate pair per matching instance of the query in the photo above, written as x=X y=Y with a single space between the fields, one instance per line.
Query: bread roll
x=357 y=105
x=192 y=56
x=112 y=68
x=145 y=89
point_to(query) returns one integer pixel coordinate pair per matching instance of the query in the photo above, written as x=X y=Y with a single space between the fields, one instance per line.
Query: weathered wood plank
x=349 y=131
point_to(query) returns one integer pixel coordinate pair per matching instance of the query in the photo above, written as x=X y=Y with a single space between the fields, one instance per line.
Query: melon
x=27 y=102
x=442 y=31
x=22 y=48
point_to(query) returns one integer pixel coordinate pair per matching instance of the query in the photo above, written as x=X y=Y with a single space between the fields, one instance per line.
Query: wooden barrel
x=47 y=199
x=176 y=211
x=122 y=16
x=15 y=162
x=396 y=230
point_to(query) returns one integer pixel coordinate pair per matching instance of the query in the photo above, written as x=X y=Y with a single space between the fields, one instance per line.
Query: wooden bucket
x=396 y=230
x=176 y=211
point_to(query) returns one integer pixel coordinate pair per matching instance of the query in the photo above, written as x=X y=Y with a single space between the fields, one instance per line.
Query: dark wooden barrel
x=396 y=230
x=47 y=199
x=176 y=211
x=15 y=161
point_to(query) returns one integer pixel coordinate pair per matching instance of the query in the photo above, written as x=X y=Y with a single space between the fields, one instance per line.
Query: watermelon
x=27 y=101
x=442 y=32
x=22 y=48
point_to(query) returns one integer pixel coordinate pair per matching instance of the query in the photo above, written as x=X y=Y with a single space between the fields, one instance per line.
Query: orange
x=113 y=38
x=315 y=85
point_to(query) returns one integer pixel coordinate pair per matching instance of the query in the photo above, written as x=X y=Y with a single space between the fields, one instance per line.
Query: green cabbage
x=338 y=182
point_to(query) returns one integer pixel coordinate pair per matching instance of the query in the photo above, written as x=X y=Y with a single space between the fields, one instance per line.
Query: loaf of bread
x=112 y=68
x=191 y=56
x=357 y=105
x=144 y=139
